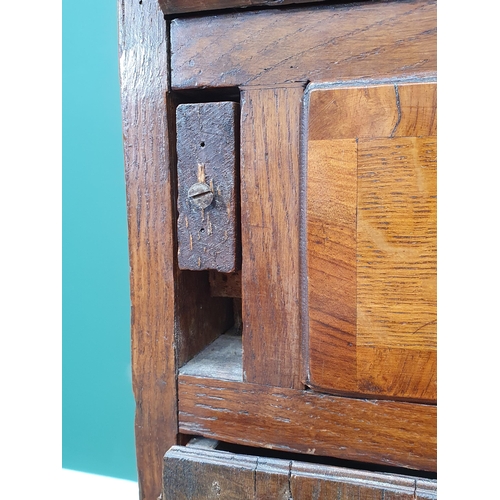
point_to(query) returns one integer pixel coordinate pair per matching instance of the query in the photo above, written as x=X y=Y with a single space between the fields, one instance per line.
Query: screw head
x=200 y=195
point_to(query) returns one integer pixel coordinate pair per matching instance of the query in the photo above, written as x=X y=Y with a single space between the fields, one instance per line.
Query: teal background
x=98 y=405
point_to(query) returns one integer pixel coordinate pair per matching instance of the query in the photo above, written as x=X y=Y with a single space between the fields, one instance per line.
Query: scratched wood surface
x=317 y=44
x=371 y=240
x=204 y=473
x=142 y=31
x=270 y=138
x=173 y=315
x=323 y=482
x=207 y=156
x=383 y=432
x=170 y=7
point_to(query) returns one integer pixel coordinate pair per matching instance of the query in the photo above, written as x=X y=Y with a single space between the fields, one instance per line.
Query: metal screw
x=201 y=194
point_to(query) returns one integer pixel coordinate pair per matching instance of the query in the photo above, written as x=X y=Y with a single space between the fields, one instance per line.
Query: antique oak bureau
x=280 y=161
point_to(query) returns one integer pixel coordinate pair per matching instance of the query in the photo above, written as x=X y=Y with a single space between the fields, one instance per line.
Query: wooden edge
x=260 y=474
x=170 y=7
x=222 y=359
x=383 y=432
x=143 y=37
x=334 y=43
x=270 y=143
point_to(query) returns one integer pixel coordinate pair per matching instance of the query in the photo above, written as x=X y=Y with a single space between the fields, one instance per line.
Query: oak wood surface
x=173 y=315
x=317 y=44
x=371 y=251
x=326 y=482
x=170 y=7
x=204 y=473
x=173 y=311
x=331 y=262
x=142 y=35
x=208 y=155
x=270 y=139
x=385 y=110
x=383 y=432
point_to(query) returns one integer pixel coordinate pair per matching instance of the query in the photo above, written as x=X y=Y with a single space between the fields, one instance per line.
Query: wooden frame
x=174 y=315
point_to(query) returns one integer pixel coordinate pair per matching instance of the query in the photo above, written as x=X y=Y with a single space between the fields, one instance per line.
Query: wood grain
x=371 y=240
x=225 y=285
x=270 y=141
x=324 y=482
x=170 y=7
x=317 y=44
x=204 y=473
x=383 y=432
x=170 y=309
x=331 y=262
x=363 y=111
x=397 y=265
x=142 y=35
x=396 y=242
x=208 y=155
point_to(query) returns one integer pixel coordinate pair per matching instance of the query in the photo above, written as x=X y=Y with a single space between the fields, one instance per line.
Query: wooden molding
x=199 y=472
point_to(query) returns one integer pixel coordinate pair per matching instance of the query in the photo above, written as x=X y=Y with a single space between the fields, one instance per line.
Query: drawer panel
x=201 y=472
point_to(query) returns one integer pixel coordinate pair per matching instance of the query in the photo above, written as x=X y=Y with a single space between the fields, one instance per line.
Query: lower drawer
x=201 y=471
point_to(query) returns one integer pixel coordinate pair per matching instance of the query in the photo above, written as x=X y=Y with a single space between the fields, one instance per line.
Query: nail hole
x=202 y=230
x=202 y=144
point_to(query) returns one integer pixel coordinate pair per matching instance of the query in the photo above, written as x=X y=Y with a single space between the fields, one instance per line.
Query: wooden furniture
x=301 y=139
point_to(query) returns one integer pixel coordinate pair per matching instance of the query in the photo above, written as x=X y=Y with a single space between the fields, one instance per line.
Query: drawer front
x=200 y=472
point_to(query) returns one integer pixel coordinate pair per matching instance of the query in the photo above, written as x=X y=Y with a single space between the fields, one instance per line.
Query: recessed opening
x=202 y=144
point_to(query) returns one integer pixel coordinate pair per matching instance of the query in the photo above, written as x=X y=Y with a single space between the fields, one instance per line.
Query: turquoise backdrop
x=98 y=405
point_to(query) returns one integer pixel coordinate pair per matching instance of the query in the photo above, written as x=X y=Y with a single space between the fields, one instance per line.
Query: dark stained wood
x=194 y=474
x=199 y=317
x=270 y=139
x=225 y=285
x=176 y=314
x=171 y=309
x=322 y=482
x=202 y=473
x=317 y=44
x=383 y=432
x=170 y=7
x=143 y=37
x=371 y=240
x=207 y=157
